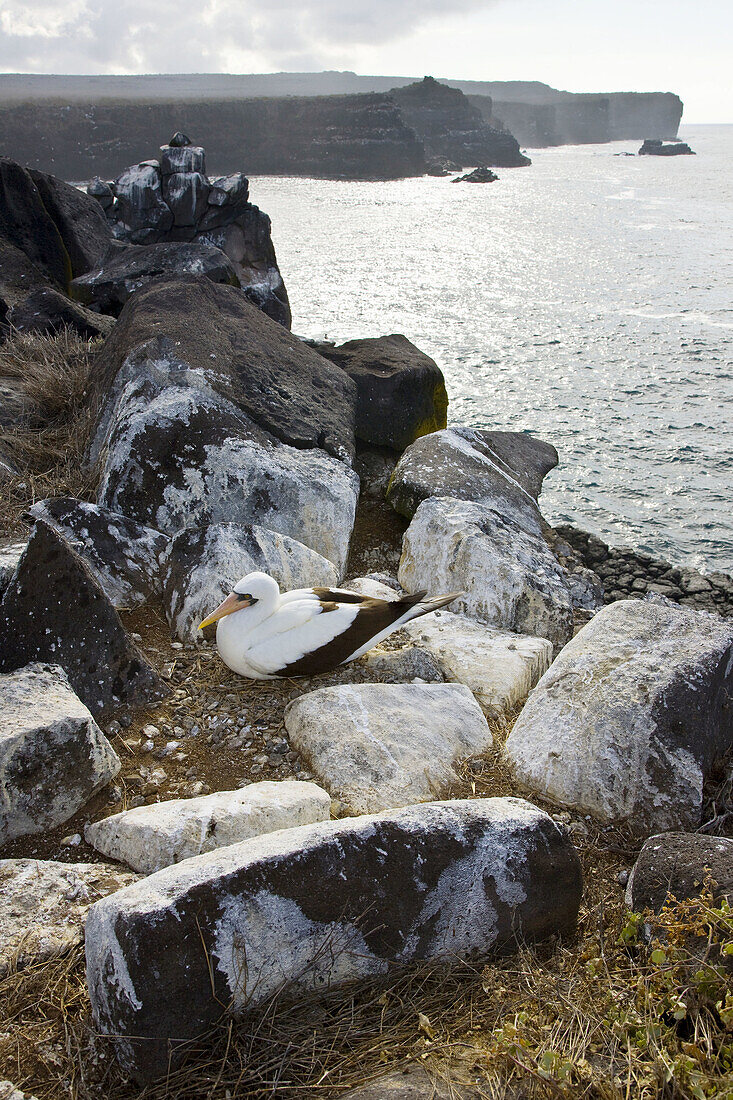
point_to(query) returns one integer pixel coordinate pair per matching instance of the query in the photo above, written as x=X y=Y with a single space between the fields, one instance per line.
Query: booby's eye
x=242 y=596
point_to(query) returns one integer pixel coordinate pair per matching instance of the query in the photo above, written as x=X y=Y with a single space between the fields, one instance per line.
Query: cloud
x=127 y=36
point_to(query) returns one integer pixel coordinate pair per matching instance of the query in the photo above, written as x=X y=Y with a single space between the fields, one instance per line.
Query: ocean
x=585 y=299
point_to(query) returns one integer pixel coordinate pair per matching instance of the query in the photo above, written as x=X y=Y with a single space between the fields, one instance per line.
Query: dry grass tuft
x=49 y=409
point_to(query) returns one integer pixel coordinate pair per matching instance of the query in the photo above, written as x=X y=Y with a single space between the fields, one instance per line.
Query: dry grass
x=46 y=383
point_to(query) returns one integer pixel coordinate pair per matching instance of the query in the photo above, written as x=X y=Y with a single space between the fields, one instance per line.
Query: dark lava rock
x=503 y=470
x=18 y=278
x=54 y=610
x=400 y=390
x=179 y=140
x=26 y=224
x=450 y=126
x=479 y=175
x=48 y=311
x=654 y=147
x=78 y=218
x=123 y=555
x=127 y=267
x=318 y=906
x=285 y=387
x=675 y=865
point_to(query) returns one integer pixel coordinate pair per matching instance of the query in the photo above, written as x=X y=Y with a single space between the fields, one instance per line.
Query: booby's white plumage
x=265 y=634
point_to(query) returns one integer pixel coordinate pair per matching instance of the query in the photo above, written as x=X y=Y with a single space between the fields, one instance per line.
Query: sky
x=684 y=46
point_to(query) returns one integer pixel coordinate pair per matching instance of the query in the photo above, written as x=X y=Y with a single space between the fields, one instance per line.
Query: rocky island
x=510 y=823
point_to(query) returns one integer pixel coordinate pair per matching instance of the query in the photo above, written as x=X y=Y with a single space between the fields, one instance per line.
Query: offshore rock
x=510 y=577
x=53 y=755
x=214 y=337
x=341 y=899
x=500 y=668
x=375 y=746
x=55 y=610
x=631 y=717
x=676 y=865
x=43 y=906
x=123 y=555
x=654 y=147
x=181 y=456
x=503 y=470
x=151 y=837
x=126 y=268
x=400 y=391
x=482 y=174
x=202 y=565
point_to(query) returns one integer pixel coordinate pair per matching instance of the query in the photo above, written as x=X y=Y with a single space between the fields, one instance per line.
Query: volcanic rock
x=151 y=837
x=341 y=899
x=676 y=865
x=53 y=755
x=375 y=746
x=632 y=716
x=26 y=224
x=202 y=565
x=47 y=311
x=654 y=147
x=479 y=175
x=81 y=224
x=54 y=610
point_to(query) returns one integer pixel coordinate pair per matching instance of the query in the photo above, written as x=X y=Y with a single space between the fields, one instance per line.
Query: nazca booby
x=265 y=634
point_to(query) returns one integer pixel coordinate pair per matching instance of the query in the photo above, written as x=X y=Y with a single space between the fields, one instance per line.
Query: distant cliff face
x=450 y=126
x=565 y=118
x=348 y=137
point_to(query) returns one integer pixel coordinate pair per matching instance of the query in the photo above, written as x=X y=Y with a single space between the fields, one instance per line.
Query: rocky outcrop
x=510 y=577
x=202 y=565
x=400 y=391
x=631 y=717
x=654 y=147
x=123 y=555
x=151 y=837
x=482 y=174
x=53 y=755
x=375 y=746
x=345 y=899
x=54 y=610
x=450 y=126
x=677 y=865
x=43 y=906
x=125 y=268
x=159 y=202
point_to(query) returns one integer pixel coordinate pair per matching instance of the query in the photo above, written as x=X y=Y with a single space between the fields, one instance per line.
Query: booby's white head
x=255 y=588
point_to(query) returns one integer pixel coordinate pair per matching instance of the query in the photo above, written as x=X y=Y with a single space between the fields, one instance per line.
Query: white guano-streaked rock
x=43 y=906
x=313 y=907
x=500 y=668
x=376 y=746
x=10 y=556
x=203 y=564
x=631 y=716
x=151 y=837
x=53 y=755
x=510 y=576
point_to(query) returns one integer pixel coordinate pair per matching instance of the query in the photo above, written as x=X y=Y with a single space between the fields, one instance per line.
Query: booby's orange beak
x=232 y=603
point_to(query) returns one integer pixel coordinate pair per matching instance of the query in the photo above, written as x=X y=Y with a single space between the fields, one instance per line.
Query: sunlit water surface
x=586 y=299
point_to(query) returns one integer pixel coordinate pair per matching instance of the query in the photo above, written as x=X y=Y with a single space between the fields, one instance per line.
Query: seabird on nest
x=265 y=634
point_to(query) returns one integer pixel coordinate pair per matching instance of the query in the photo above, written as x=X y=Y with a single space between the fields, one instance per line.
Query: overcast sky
x=683 y=46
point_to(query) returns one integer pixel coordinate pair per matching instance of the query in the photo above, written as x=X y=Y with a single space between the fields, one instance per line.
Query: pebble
x=176 y=645
x=136 y=637
x=623 y=879
x=113 y=729
x=151 y=731
x=71 y=841
x=148 y=746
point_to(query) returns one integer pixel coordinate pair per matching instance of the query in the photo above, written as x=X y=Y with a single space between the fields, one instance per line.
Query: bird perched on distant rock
x=265 y=634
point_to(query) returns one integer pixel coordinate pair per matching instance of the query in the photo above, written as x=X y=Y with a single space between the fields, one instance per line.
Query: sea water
x=585 y=299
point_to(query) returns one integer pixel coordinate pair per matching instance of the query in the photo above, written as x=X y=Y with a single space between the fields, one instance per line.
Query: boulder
x=43 y=906
x=408 y=664
x=127 y=267
x=123 y=555
x=631 y=717
x=676 y=865
x=375 y=746
x=182 y=158
x=83 y=228
x=503 y=470
x=186 y=194
x=202 y=565
x=180 y=456
x=53 y=755
x=47 y=311
x=400 y=391
x=228 y=190
x=151 y=837
x=27 y=225
x=8 y=1091
x=411 y=1083
x=510 y=577
x=285 y=387
x=340 y=900
x=500 y=668
x=18 y=279
x=54 y=610
x=655 y=147
x=139 y=203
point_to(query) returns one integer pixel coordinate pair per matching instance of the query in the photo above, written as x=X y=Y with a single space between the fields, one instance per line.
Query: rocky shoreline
x=450 y=796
